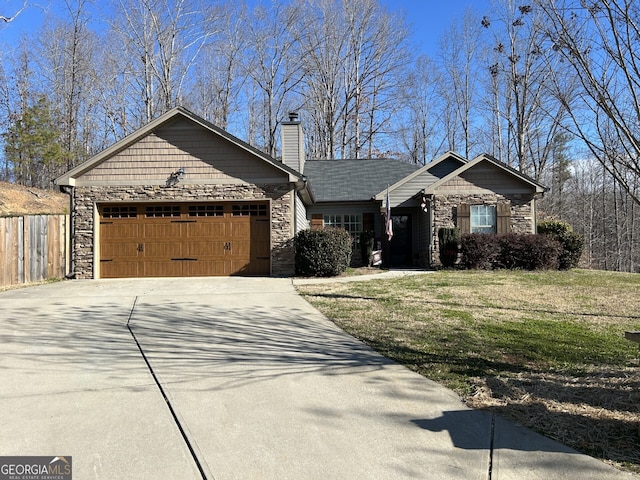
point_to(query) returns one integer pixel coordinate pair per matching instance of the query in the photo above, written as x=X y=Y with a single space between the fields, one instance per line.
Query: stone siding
x=445 y=209
x=281 y=196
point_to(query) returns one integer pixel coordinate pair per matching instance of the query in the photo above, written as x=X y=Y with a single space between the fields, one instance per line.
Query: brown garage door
x=184 y=240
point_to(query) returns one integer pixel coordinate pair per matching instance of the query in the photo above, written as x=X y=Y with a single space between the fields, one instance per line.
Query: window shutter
x=503 y=214
x=317 y=221
x=464 y=218
x=368 y=222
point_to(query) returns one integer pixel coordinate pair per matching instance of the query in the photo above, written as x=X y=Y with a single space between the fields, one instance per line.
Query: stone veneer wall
x=445 y=209
x=84 y=199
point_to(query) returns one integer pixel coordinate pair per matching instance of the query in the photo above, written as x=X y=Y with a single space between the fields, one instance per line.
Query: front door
x=401 y=254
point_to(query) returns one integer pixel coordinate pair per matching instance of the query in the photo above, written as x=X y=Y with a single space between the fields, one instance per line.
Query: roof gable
x=445 y=164
x=177 y=139
x=486 y=172
x=405 y=189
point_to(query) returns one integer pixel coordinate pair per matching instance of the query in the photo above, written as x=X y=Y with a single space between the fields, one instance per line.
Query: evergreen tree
x=32 y=145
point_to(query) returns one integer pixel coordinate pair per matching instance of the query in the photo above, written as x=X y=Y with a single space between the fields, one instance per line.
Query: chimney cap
x=293 y=116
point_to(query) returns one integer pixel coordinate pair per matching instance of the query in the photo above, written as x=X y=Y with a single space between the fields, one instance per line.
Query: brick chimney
x=293 y=143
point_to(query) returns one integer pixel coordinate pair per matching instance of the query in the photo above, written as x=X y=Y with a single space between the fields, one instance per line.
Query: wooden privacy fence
x=32 y=248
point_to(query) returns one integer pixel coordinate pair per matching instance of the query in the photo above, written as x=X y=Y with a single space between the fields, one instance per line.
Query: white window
x=332 y=221
x=483 y=219
x=351 y=223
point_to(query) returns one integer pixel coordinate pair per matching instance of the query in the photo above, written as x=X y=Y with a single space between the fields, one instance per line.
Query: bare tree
x=420 y=127
x=459 y=58
x=218 y=72
x=603 y=212
x=321 y=46
x=375 y=58
x=557 y=176
x=272 y=65
x=161 y=41
x=355 y=55
x=118 y=115
x=600 y=40
x=522 y=88
x=5 y=114
x=66 y=58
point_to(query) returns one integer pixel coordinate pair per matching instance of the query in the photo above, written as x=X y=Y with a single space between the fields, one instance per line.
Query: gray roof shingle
x=353 y=180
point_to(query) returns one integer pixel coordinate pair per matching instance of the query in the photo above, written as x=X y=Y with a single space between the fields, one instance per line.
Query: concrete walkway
x=235 y=378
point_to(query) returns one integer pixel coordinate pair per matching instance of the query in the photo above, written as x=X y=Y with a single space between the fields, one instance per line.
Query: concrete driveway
x=235 y=378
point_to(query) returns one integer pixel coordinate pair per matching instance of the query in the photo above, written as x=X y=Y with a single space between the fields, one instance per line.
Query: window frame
x=351 y=222
x=485 y=221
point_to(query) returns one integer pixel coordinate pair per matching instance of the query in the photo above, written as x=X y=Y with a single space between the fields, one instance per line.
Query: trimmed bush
x=367 y=242
x=449 y=240
x=572 y=243
x=510 y=251
x=528 y=252
x=322 y=253
x=478 y=251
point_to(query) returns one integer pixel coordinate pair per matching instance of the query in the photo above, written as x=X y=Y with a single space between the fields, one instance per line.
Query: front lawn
x=545 y=349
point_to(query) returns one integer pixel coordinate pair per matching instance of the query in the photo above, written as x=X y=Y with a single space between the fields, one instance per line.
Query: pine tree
x=32 y=145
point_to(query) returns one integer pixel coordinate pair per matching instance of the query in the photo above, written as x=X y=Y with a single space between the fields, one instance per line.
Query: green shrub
x=322 y=253
x=528 y=252
x=510 y=251
x=449 y=240
x=572 y=243
x=478 y=251
x=367 y=242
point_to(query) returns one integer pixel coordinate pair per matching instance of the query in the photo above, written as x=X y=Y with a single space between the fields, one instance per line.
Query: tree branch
x=13 y=17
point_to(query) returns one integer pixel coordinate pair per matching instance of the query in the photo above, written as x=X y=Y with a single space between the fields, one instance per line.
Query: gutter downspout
x=431 y=203
x=298 y=187
x=71 y=273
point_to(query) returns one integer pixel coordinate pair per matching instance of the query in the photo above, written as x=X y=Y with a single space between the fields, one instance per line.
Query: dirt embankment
x=21 y=200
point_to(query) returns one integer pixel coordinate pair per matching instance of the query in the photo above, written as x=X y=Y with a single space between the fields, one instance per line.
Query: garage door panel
x=239 y=267
x=240 y=228
x=257 y=267
x=239 y=248
x=157 y=250
x=162 y=230
x=120 y=231
x=210 y=230
x=119 y=269
x=166 y=268
x=204 y=248
x=124 y=250
x=205 y=268
x=153 y=240
x=260 y=241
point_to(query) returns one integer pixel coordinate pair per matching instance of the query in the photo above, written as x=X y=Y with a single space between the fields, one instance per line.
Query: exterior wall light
x=175 y=177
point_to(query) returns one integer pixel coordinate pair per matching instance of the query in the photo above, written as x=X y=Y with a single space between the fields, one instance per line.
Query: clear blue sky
x=428 y=19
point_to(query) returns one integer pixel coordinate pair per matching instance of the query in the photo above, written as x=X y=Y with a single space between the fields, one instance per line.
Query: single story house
x=182 y=197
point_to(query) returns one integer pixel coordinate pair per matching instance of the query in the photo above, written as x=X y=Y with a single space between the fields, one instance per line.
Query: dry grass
x=546 y=350
x=20 y=200
x=595 y=412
